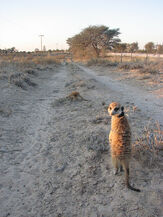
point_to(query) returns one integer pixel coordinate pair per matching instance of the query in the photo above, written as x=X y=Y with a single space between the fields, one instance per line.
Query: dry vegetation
x=55 y=143
x=103 y=62
x=31 y=59
x=20 y=69
x=148 y=148
x=151 y=67
x=139 y=64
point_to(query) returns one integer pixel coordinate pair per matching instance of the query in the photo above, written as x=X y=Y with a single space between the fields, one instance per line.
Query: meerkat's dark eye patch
x=116 y=109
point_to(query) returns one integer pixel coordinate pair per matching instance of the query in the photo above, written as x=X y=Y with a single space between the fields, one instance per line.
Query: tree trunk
x=121 y=57
x=147 y=58
x=97 y=51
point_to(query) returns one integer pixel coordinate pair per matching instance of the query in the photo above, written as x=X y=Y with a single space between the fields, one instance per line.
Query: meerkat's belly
x=120 y=145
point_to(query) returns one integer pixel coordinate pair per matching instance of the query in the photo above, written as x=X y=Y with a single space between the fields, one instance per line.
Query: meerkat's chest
x=120 y=131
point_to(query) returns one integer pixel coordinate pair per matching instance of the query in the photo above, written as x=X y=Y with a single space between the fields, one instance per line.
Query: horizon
x=22 y=22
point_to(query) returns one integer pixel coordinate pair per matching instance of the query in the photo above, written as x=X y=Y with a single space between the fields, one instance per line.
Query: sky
x=22 y=21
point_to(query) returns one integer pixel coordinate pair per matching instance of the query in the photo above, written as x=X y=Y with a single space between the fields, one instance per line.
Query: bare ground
x=54 y=152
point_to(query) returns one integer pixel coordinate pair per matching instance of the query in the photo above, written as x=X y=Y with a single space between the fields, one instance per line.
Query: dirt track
x=54 y=152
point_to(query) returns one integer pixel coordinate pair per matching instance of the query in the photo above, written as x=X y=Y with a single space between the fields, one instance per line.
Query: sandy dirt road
x=151 y=104
x=54 y=152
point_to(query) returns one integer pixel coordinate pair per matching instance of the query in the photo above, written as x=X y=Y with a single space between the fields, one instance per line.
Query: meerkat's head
x=116 y=109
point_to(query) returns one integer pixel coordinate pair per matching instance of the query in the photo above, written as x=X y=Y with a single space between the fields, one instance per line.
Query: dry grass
x=20 y=69
x=126 y=59
x=131 y=66
x=148 y=148
x=99 y=62
x=21 y=80
x=153 y=67
x=44 y=60
x=30 y=60
x=150 y=68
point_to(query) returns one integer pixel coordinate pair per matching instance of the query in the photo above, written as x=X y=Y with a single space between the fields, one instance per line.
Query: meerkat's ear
x=122 y=108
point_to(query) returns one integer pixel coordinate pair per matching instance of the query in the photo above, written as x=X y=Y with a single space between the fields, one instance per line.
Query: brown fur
x=75 y=95
x=120 y=141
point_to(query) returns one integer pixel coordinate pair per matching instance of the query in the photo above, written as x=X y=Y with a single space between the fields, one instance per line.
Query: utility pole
x=41 y=40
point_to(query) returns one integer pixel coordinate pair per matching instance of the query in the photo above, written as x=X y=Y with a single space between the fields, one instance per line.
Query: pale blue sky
x=22 y=21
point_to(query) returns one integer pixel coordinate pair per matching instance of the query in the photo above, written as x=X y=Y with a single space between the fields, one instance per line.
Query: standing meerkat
x=120 y=141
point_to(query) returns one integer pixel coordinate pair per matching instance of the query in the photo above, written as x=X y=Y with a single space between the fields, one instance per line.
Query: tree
x=133 y=47
x=95 y=38
x=121 y=47
x=160 y=49
x=149 y=47
x=11 y=50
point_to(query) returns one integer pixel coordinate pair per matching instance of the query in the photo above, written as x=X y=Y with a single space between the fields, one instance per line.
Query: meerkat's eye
x=116 y=109
x=110 y=108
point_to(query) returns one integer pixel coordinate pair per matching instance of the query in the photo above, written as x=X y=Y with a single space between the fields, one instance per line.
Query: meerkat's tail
x=126 y=169
x=132 y=188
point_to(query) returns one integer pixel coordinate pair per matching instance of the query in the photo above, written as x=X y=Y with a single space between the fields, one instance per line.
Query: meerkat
x=120 y=141
x=75 y=95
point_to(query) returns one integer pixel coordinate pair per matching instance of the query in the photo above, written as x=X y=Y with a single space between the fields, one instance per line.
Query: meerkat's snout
x=115 y=109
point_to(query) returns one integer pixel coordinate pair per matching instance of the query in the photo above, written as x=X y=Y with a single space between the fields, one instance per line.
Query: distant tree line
x=97 y=40
x=149 y=48
x=13 y=50
x=9 y=50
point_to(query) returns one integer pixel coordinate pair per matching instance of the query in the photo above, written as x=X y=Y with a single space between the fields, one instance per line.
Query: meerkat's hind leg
x=116 y=165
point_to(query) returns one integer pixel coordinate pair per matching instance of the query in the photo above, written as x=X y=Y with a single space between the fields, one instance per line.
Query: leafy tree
x=149 y=47
x=160 y=49
x=133 y=47
x=94 y=37
x=121 y=47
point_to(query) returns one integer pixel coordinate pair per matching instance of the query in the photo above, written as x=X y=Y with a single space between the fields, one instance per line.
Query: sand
x=54 y=152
